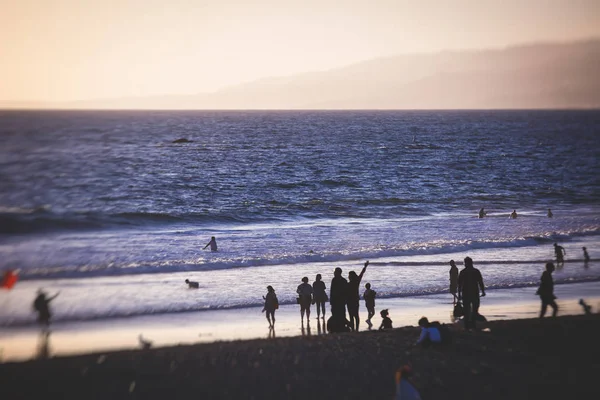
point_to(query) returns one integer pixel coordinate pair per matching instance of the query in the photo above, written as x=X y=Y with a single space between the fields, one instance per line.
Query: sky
x=68 y=50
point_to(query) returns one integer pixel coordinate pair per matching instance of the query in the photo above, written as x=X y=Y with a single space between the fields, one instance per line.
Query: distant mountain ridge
x=546 y=75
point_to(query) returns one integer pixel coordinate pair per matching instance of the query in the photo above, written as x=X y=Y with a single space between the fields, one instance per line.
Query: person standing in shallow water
x=586 y=256
x=353 y=299
x=550 y=215
x=271 y=304
x=513 y=214
x=559 y=252
x=453 y=280
x=41 y=304
x=319 y=295
x=546 y=291
x=469 y=283
x=212 y=244
x=305 y=292
x=482 y=213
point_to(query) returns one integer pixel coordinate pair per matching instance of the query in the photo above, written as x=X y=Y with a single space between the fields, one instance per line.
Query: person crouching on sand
x=386 y=322
x=429 y=333
x=546 y=291
x=271 y=304
x=305 y=292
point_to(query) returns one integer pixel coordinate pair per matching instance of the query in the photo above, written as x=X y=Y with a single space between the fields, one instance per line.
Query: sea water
x=105 y=208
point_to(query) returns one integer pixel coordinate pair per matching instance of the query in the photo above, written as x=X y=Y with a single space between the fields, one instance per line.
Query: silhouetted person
x=559 y=252
x=453 y=280
x=586 y=256
x=482 y=213
x=550 y=215
x=271 y=304
x=430 y=333
x=212 y=244
x=337 y=301
x=192 y=284
x=513 y=214
x=587 y=309
x=546 y=291
x=319 y=295
x=353 y=298
x=41 y=304
x=469 y=283
x=305 y=292
x=386 y=322
x=369 y=296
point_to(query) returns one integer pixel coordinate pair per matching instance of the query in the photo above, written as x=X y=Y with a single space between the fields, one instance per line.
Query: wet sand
x=551 y=358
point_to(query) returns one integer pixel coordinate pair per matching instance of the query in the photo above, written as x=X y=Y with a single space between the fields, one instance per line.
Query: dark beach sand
x=553 y=358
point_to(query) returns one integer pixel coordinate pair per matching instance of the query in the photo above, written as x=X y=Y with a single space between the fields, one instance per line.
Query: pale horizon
x=72 y=51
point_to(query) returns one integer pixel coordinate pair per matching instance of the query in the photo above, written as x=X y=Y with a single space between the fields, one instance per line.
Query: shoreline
x=76 y=338
x=550 y=358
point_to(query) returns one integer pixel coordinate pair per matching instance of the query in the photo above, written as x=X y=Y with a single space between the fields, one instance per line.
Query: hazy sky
x=61 y=50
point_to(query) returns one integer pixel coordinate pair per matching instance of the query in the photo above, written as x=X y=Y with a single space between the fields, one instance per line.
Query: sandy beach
x=552 y=358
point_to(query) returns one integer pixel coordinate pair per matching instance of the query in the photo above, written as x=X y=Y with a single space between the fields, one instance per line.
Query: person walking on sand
x=559 y=252
x=305 y=292
x=369 y=297
x=513 y=214
x=212 y=244
x=319 y=295
x=586 y=256
x=41 y=304
x=453 y=280
x=469 y=283
x=354 y=296
x=271 y=304
x=546 y=291
x=550 y=215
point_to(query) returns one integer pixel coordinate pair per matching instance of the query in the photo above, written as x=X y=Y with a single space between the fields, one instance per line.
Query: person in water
x=453 y=280
x=369 y=296
x=546 y=291
x=386 y=322
x=41 y=304
x=305 y=292
x=271 y=304
x=319 y=295
x=482 y=213
x=586 y=256
x=469 y=283
x=354 y=296
x=550 y=215
x=212 y=244
x=513 y=214
x=559 y=252
x=192 y=284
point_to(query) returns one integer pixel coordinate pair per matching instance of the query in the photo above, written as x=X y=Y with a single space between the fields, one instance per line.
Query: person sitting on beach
x=369 y=297
x=212 y=244
x=586 y=256
x=430 y=333
x=353 y=297
x=386 y=322
x=305 y=292
x=319 y=295
x=469 y=283
x=271 y=304
x=559 y=252
x=41 y=304
x=546 y=291
x=453 y=280
x=513 y=214
x=192 y=284
x=550 y=215
x=482 y=213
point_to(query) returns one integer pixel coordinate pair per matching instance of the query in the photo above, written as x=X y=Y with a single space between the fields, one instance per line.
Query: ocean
x=104 y=207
